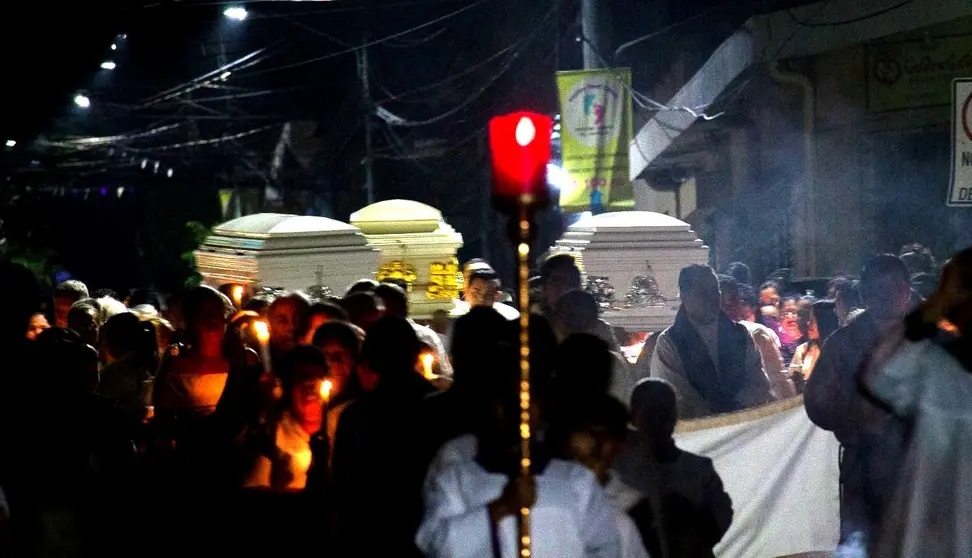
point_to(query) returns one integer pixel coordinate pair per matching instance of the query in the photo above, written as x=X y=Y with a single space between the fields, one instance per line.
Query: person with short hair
x=711 y=361
x=740 y=272
x=482 y=287
x=870 y=436
x=65 y=296
x=559 y=275
x=320 y=313
x=396 y=304
x=766 y=340
x=379 y=462
x=685 y=510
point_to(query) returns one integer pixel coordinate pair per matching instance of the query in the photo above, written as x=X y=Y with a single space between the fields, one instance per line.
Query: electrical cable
x=469 y=70
x=676 y=25
x=370 y=43
x=858 y=19
x=474 y=96
x=417 y=42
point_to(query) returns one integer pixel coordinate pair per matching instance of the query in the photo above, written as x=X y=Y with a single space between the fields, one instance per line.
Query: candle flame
x=428 y=360
x=262 y=331
x=326 y=387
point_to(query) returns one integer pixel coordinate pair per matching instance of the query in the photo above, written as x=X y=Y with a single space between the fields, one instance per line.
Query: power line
x=857 y=19
x=478 y=93
x=676 y=25
x=370 y=43
x=399 y=96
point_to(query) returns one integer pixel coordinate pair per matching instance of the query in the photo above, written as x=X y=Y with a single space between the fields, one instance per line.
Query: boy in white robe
x=472 y=505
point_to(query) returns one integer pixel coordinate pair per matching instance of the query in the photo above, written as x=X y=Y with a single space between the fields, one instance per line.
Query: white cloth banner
x=780 y=471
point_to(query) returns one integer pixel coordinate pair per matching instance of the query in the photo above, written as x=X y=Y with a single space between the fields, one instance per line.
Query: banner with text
x=913 y=74
x=595 y=130
x=960 y=190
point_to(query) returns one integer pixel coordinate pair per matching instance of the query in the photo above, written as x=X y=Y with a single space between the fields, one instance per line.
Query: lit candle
x=325 y=391
x=262 y=331
x=326 y=387
x=428 y=360
x=237 y=293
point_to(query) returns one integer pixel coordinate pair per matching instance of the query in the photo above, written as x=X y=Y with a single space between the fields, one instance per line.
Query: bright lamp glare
x=558 y=178
x=11 y=143
x=114 y=46
x=82 y=101
x=525 y=132
x=108 y=65
x=235 y=12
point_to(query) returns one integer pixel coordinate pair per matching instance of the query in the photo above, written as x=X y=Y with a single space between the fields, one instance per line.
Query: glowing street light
x=11 y=143
x=114 y=46
x=82 y=101
x=235 y=12
x=108 y=65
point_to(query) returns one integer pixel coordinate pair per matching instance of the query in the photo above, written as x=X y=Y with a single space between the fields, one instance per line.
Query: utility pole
x=363 y=75
x=592 y=28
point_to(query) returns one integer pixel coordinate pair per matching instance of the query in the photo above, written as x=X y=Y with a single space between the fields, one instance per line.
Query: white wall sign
x=960 y=191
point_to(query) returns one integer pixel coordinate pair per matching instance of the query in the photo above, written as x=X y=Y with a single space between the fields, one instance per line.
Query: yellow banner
x=595 y=131
x=225 y=196
x=916 y=73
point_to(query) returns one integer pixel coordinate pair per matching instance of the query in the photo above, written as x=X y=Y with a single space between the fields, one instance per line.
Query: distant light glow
x=235 y=12
x=114 y=46
x=108 y=65
x=82 y=101
x=168 y=173
x=225 y=75
x=557 y=178
x=120 y=191
x=525 y=132
x=11 y=143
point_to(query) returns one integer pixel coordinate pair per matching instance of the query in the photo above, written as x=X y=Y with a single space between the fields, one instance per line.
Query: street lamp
x=235 y=12
x=82 y=100
x=108 y=65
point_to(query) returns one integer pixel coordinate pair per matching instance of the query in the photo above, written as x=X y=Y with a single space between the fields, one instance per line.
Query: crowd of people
x=225 y=421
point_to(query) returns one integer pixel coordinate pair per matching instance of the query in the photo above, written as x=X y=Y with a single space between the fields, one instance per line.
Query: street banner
x=595 y=133
x=960 y=190
x=780 y=471
x=225 y=196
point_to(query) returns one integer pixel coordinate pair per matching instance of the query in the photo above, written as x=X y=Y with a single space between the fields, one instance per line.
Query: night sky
x=462 y=62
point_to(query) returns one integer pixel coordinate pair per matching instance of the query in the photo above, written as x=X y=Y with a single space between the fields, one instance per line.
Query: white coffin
x=414 y=233
x=292 y=252
x=621 y=246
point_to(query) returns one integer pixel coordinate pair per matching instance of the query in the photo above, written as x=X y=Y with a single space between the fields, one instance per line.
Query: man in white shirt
x=482 y=287
x=711 y=361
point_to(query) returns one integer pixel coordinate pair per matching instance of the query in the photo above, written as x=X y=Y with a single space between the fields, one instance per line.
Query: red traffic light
x=520 y=147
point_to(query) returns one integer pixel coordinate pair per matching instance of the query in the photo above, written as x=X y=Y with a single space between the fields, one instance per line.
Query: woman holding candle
x=341 y=346
x=282 y=463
